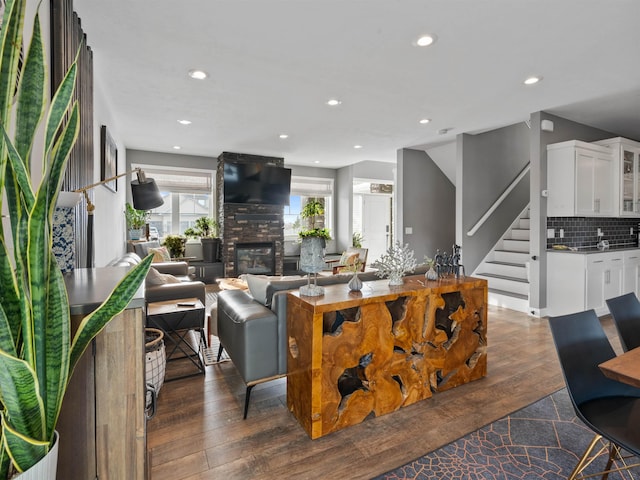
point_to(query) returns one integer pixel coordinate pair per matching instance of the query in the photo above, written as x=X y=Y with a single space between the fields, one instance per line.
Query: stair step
x=510 y=256
x=516 y=245
x=510 y=264
x=509 y=294
x=520 y=234
x=506 y=269
x=502 y=277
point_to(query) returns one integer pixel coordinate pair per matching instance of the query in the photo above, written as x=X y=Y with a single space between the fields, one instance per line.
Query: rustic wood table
x=352 y=355
x=624 y=368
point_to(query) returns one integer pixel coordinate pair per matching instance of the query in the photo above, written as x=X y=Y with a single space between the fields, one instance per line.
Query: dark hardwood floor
x=198 y=431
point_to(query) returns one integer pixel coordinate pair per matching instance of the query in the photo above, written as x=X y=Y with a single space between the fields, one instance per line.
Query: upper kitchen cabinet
x=627 y=154
x=581 y=180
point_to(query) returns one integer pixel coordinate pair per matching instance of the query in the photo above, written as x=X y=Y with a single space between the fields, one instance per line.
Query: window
x=187 y=193
x=302 y=189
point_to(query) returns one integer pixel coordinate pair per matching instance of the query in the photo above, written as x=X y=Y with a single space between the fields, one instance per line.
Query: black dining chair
x=625 y=311
x=610 y=408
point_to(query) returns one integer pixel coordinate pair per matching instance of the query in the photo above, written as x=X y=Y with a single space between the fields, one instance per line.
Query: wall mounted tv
x=256 y=183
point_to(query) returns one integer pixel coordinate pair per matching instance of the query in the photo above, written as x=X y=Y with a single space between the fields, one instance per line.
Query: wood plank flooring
x=198 y=432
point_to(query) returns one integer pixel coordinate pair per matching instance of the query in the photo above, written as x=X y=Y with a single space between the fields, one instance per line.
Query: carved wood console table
x=356 y=354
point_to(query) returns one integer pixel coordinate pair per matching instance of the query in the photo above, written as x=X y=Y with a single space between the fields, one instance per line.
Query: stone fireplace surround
x=247 y=222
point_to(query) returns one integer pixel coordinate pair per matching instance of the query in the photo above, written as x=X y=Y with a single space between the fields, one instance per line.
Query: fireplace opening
x=255 y=258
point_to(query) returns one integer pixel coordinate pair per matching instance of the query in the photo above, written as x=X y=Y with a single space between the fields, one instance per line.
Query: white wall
x=109 y=231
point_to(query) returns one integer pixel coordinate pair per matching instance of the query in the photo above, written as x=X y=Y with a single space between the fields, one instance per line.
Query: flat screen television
x=256 y=183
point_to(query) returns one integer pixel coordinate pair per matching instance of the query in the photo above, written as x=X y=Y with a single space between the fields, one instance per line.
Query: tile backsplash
x=582 y=232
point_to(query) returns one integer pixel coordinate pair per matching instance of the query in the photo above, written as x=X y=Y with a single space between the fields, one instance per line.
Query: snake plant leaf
x=59 y=106
x=23 y=407
x=9 y=297
x=57 y=341
x=11 y=36
x=30 y=111
x=5 y=460
x=116 y=303
x=22 y=449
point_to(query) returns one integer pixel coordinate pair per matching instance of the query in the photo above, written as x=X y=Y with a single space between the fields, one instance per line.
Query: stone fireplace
x=256 y=258
x=246 y=223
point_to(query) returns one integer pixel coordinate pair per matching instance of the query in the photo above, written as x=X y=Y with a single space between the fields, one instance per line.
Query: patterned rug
x=541 y=441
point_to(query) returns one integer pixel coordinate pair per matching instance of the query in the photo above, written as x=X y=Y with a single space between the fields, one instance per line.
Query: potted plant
x=356 y=240
x=313 y=242
x=311 y=211
x=136 y=221
x=37 y=351
x=206 y=228
x=175 y=244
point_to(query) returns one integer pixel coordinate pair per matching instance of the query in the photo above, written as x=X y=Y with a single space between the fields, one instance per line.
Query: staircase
x=505 y=267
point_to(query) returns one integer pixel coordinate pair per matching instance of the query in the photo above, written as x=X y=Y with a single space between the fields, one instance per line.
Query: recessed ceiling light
x=532 y=80
x=284 y=135
x=333 y=102
x=184 y=122
x=198 y=74
x=425 y=121
x=426 y=40
x=357 y=146
x=316 y=161
x=177 y=147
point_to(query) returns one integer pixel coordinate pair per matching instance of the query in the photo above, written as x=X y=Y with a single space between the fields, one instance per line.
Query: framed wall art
x=108 y=159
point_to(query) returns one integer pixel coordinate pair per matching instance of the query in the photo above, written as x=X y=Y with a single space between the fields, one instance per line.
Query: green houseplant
x=37 y=352
x=175 y=245
x=206 y=228
x=136 y=221
x=311 y=211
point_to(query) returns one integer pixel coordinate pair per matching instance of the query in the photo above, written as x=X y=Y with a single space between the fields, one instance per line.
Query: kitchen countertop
x=594 y=249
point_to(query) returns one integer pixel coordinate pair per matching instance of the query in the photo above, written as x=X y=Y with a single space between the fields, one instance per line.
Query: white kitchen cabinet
x=604 y=279
x=631 y=273
x=627 y=155
x=581 y=180
x=581 y=281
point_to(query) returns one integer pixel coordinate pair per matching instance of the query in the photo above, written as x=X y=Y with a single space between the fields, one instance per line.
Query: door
x=376 y=225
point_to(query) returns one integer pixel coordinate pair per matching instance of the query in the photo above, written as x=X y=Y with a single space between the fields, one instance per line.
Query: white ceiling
x=274 y=63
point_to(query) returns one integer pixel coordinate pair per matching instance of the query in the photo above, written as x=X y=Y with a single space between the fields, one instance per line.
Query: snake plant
x=37 y=351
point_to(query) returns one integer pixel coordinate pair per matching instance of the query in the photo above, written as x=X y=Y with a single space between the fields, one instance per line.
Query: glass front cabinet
x=628 y=154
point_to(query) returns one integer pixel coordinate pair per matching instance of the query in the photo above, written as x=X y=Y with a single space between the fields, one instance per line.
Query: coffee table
x=176 y=318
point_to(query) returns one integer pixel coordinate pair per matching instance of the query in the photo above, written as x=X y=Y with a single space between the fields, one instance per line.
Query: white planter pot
x=46 y=468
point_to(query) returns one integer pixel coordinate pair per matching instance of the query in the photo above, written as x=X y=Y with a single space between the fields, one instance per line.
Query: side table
x=176 y=318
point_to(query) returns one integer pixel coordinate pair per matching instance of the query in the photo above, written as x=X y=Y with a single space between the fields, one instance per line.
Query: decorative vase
x=395 y=279
x=355 y=284
x=431 y=274
x=46 y=468
x=312 y=261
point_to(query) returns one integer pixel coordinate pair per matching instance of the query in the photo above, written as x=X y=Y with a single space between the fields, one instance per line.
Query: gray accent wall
x=487 y=164
x=563 y=130
x=426 y=202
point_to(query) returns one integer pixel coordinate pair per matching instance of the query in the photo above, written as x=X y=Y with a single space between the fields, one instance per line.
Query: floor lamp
x=144 y=192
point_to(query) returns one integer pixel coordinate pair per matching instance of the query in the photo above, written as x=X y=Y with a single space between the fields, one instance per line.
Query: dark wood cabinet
x=207 y=272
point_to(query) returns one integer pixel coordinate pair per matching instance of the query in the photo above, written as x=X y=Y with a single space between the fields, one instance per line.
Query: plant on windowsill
x=38 y=351
x=136 y=221
x=175 y=244
x=313 y=242
x=356 y=240
x=206 y=228
x=311 y=211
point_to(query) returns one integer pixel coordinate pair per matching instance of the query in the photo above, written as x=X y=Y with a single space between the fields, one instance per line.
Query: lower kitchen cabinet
x=583 y=281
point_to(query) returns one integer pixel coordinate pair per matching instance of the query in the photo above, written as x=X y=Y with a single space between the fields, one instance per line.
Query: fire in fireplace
x=256 y=258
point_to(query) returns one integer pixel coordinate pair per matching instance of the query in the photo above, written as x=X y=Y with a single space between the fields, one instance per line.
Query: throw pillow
x=154 y=277
x=351 y=259
x=160 y=254
x=258 y=287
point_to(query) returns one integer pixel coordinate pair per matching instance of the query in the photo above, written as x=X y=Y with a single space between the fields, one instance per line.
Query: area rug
x=541 y=441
